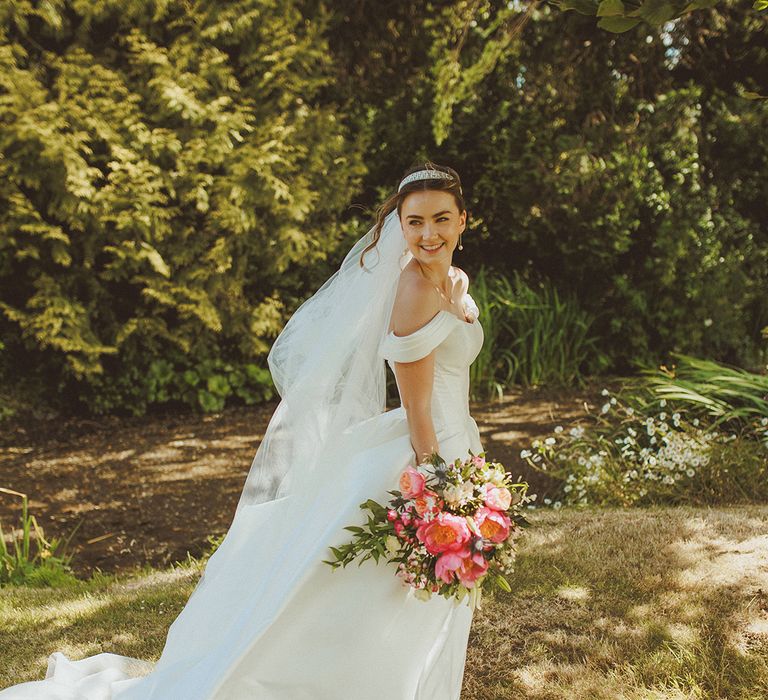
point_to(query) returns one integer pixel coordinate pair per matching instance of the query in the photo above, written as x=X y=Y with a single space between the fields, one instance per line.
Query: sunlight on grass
x=607 y=604
x=641 y=603
x=127 y=615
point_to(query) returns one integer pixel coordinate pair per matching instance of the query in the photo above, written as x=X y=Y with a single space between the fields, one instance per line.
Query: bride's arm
x=415 y=305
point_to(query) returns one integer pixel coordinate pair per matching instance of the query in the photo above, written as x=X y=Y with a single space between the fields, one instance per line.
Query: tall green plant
x=532 y=336
x=545 y=337
x=28 y=557
x=725 y=394
x=492 y=363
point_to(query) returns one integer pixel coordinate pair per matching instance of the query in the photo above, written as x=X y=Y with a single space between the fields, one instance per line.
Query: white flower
x=605 y=392
x=550 y=441
x=558 y=428
x=606 y=407
x=690 y=472
x=525 y=454
x=695 y=421
x=452 y=495
x=663 y=403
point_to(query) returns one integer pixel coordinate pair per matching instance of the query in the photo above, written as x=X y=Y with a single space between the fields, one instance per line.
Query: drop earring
x=461 y=247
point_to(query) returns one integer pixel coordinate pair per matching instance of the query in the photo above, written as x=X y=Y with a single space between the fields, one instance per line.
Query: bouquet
x=450 y=529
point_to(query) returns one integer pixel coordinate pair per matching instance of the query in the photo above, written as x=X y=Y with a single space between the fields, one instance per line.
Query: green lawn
x=614 y=604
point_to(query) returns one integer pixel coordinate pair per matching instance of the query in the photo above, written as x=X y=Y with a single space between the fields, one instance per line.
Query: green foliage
x=628 y=170
x=617 y=16
x=729 y=396
x=164 y=179
x=640 y=195
x=204 y=384
x=532 y=336
x=27 y=557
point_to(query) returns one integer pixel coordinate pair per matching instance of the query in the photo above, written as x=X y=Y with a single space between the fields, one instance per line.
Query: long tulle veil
x=325 y=366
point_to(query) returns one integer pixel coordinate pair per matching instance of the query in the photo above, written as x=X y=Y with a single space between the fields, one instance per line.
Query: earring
x=461 y=247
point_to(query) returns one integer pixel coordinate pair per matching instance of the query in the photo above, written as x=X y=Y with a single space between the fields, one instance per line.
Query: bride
x=268 y=620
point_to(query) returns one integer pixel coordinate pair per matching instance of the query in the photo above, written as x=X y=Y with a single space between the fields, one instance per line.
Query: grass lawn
x=606 y=604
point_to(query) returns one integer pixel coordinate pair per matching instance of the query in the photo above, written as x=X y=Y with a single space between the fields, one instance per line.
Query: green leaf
x=617 y=25
x=584 y=7
x=656 y=12
x=218 y=384
x=610 y=8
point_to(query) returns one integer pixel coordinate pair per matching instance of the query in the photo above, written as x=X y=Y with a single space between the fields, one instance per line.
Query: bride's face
x=431 y=224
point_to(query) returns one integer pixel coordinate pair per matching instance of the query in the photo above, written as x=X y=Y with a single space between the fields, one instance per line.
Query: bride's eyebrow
x=418 y=216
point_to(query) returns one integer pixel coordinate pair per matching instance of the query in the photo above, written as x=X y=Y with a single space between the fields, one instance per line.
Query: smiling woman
x=268 y=618
x=430 y=203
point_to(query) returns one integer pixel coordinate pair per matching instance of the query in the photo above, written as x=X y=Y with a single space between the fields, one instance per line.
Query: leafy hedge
x=164 y=167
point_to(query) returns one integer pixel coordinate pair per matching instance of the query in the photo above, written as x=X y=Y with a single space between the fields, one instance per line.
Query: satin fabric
x=271 y=621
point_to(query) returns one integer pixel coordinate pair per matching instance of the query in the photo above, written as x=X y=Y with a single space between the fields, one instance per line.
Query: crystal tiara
x=429 y=174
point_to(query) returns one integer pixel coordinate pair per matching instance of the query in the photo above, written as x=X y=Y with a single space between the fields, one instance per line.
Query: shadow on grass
x=658 y=603
x=643 y=603
x=127 y=615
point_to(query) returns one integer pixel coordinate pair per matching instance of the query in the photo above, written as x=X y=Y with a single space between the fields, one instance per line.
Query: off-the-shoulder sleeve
x=414 y=346
x=470 y=307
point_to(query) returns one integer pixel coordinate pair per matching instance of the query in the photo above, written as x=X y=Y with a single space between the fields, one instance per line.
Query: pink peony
x=472 y=568
x=428 y=502
x=411 y=483
x=445 y=533
x=493 y=524
x=447 y=564
x=478 y=461
x=497 y=497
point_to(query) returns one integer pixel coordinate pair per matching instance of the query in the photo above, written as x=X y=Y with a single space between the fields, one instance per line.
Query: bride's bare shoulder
x=416 y=302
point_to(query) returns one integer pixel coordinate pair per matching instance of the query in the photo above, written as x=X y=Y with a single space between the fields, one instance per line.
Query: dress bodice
x=456 y=344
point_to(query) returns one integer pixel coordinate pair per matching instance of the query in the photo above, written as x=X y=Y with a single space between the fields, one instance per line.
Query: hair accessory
x=428 y=174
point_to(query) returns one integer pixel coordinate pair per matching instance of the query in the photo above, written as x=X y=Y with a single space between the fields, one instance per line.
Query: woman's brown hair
x=395 y=200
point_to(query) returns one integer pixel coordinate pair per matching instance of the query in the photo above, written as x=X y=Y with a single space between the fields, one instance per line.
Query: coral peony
x=445 y=533
x=411 y=483
x=428 y=502
x=493 y=524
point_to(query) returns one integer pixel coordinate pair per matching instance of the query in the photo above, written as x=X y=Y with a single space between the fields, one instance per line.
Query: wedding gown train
x=259 y=629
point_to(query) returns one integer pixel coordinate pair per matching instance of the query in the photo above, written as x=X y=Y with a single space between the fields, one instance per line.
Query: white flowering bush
x=638 y=452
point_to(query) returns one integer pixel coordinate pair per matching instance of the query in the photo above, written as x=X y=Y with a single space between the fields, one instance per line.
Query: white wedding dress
x=354 y=633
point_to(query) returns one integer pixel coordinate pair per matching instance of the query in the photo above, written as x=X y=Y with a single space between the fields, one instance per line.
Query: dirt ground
x=151 y=489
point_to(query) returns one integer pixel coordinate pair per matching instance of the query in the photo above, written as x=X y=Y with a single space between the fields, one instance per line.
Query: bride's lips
x=440 y=247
